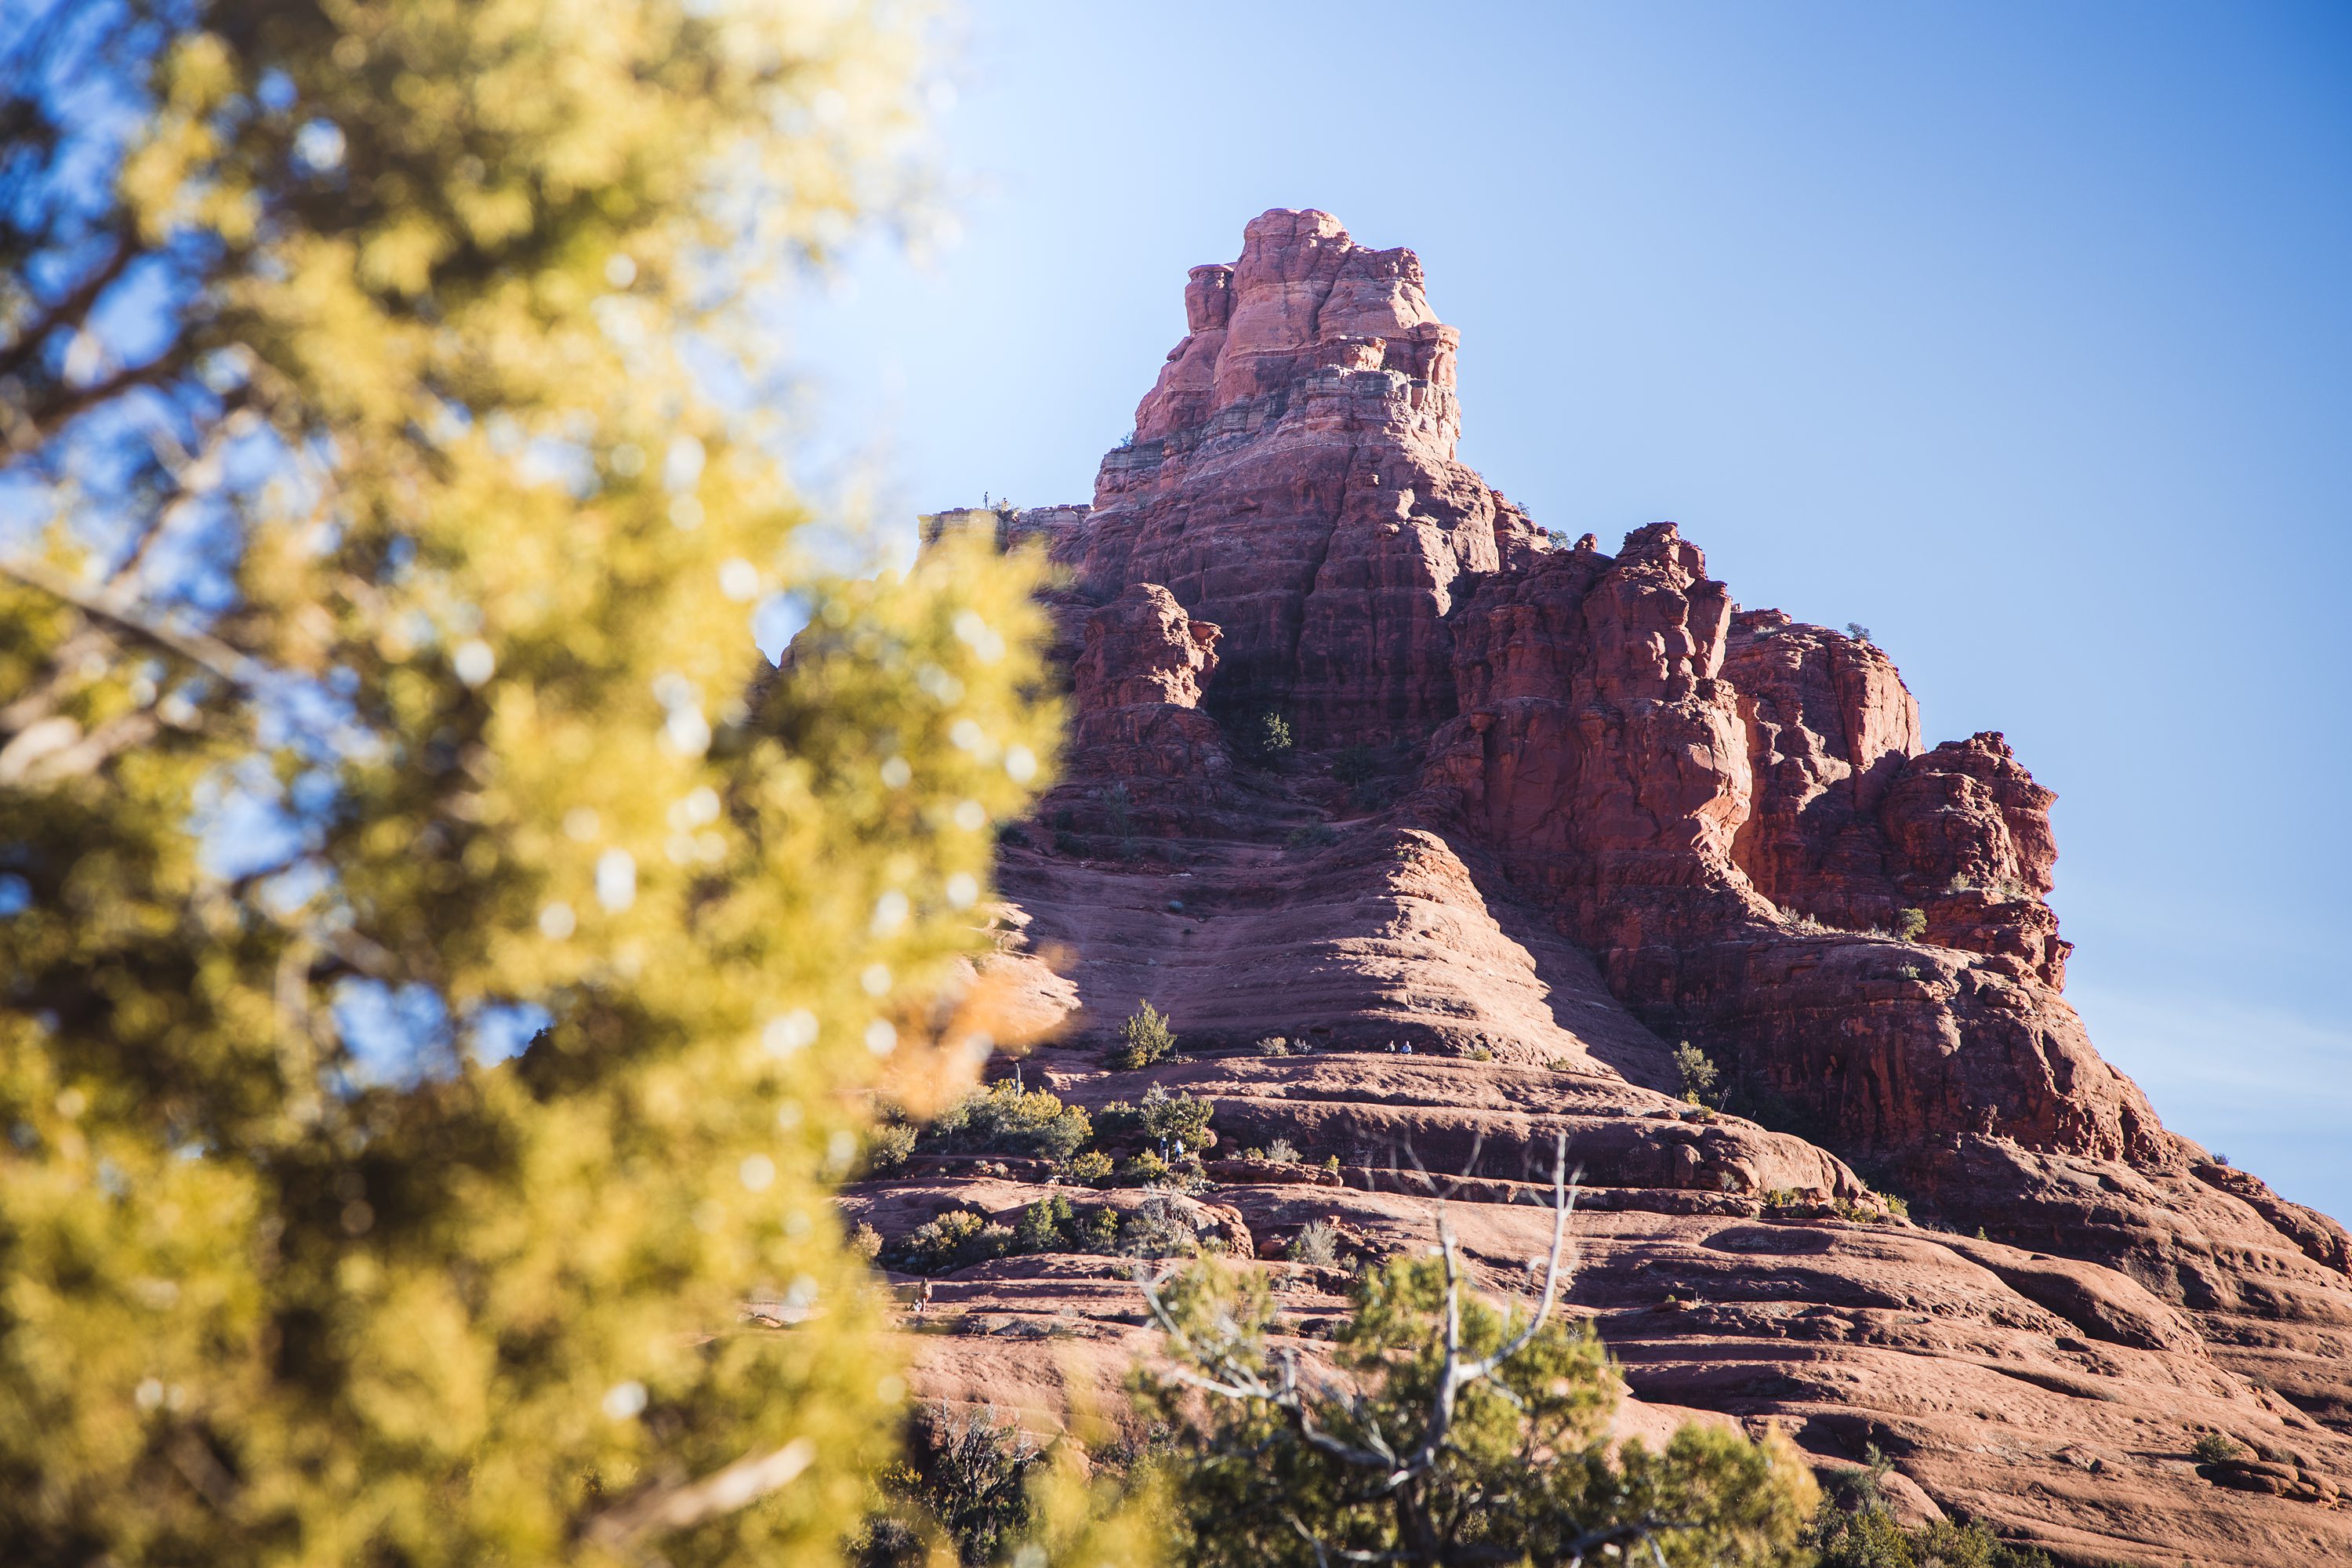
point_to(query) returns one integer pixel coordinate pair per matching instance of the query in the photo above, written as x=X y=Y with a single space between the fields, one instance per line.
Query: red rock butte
x=1550 y=812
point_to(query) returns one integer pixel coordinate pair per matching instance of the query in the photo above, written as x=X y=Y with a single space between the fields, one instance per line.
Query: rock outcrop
x=1292 y=477
x=1552 y=811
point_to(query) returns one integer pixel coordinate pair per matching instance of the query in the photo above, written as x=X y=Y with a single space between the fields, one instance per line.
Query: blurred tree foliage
x=385 y=504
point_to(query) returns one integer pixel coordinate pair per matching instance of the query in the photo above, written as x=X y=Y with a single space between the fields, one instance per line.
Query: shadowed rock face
x=1551 y=812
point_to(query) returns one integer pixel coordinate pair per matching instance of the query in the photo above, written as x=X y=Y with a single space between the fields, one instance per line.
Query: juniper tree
x=1458 y=1432
x=374 y=674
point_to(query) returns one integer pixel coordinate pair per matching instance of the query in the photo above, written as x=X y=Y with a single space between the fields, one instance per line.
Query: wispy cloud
x=2268 y=1087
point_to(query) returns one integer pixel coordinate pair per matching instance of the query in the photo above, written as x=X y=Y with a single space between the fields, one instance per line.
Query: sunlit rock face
x=1292 y=479
x=1550 y=812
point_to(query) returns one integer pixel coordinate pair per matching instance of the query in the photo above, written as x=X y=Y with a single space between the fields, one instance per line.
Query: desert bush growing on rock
x=1005 y=1119
x=888 y=1146
x=968 y=1480
x=1143 y=1040
x=2212 y=1448
x=1146 y=1169
x=1853 y=1528
x=1317 y=1245
x=1098 y=1231
x=1158 y=1229
x=1466 y=1432
x=1179 y=1120
x=1698 y=1073
x=956 y=1239
x=1045 y=1225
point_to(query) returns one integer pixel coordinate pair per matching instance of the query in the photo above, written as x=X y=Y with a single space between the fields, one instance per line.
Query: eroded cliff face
x=1292 y=479
x=1552 y=811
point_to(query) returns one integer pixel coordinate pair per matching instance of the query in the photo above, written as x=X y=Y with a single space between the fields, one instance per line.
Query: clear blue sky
x=2021 y=333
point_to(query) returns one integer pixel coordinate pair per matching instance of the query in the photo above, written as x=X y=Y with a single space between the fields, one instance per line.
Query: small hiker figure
x=923 y=1298
x=1408 y=1047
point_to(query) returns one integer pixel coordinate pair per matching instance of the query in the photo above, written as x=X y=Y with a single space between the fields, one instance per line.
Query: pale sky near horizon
x=2021 y=334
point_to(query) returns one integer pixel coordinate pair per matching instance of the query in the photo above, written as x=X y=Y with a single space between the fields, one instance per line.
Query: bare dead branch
x=1563 y=1203
x=201 y=1468
x=625 y=1528
x=298 y=1036
x=1237 y=1381
x=28 y=762
x=73 y=306
x=28 y=428
x=193 y=478
x=1645 y=1529
x=207 y=653
x=65 y=664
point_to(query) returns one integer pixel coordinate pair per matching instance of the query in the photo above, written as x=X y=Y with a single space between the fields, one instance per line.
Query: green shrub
x=1867 y=1538
x=1180 y=1119
x=1144 y=1038
x=1273 y=1045
x=1043 y=1227
x=1354 y=765
x=1004 y=1118
x=1248 y=1483
x=887 y=1148
x=1157 y=1228
x=1066 y=843
x=2213 y=1448
x=1098 y=1231
x=1317 y=1245
x=956 y=1239
x=1699 y=1073
x=1091 y=1169
x=866 y=1242
x=1145 y=1170
x=972 y=1478
x=1282 y=1152
x=1314 y=836
x=1911 y=924
x=1272 y=733
x=1853 y=1528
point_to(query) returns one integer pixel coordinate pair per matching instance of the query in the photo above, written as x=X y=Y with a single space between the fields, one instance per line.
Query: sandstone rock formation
x=1551 y=812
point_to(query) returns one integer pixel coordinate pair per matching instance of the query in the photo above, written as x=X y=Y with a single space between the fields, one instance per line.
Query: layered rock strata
x=1552 y=811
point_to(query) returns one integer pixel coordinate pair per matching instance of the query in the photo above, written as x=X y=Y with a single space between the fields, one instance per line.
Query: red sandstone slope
x=1608 y=811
